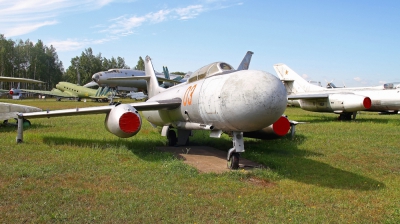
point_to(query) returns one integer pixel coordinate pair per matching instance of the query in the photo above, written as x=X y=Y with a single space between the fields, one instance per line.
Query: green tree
x=88 y=64
x=25 y=60
x=140 y=64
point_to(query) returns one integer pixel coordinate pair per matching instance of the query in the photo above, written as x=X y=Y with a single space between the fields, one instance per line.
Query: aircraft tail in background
x=244 y=65
x=294 y=83
x=166 y=72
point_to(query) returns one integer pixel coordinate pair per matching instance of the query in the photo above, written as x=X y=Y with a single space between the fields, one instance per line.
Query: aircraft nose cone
x=96 y=78
x=254 y=100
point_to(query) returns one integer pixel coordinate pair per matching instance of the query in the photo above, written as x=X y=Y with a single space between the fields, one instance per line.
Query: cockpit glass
x=215 y=68
x=225 y=66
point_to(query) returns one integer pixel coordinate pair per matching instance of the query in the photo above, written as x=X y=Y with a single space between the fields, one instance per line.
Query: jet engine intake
x=123 y=121
x=278 y=129
x=349 y=102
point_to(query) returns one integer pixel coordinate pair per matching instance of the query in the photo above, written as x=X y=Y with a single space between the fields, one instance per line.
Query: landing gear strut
x=234 y=153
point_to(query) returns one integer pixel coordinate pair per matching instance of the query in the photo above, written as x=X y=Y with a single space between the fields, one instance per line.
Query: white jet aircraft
x=10 y=110
x=343 y=101
x=216 y=98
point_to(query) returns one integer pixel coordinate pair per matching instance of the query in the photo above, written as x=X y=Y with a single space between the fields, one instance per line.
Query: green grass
x=70 y=169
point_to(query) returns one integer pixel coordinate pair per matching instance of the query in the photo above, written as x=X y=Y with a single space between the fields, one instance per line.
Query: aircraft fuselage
x=235 y=101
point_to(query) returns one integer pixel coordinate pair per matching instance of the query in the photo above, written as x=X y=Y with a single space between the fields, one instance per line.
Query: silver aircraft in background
x=111 y=78
x=216 y=98
x=343 y=101
x=106 y=79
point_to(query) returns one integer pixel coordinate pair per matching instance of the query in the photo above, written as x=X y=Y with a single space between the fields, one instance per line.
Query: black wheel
x=233 y=162
x=172 y=140
x=344 y=117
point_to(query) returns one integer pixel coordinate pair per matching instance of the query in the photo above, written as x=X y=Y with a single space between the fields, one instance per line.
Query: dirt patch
x=207 y=159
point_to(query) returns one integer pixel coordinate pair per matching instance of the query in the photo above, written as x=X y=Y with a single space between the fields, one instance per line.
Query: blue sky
x=352 y=42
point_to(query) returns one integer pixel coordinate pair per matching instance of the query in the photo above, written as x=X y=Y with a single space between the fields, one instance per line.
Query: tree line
x=23 y=59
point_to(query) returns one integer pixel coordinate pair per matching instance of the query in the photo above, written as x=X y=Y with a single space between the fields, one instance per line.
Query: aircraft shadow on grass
x=288 y=161
x=317 y=118
x=280 y=155
x=12 y=127
x=144 y=149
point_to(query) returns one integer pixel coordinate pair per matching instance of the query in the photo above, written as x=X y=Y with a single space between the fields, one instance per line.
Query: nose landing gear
x=234 y=153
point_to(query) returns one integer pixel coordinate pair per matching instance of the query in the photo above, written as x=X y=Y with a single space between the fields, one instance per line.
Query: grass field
x=70 y=169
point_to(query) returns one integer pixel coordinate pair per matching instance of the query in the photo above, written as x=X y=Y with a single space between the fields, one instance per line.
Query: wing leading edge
x=157 y=105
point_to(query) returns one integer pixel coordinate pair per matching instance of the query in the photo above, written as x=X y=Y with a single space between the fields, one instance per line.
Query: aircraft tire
x=172 y=139
x=233 y=162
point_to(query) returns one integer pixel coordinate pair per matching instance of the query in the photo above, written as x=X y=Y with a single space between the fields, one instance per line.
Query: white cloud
x=68 y=45
x=358 y=79
x=26 y=28
x=305 y=76
x=125 y=24
x=19 y=17
x=159 y=16
x=190 y=12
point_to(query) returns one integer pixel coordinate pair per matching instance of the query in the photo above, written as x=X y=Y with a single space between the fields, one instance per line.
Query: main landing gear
x=233 y=156
x=347 y=116
x=173 y=140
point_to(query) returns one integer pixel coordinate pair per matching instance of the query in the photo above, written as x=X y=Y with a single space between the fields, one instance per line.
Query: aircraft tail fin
x=152 y=84
x=295 y=82
x=244 y=65
x=166 y=72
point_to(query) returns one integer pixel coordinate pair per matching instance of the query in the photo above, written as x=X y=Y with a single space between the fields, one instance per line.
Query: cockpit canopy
x=215 y=68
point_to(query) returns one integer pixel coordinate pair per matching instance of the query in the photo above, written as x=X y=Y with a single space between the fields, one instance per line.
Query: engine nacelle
x=349 y=102
x=123 y=121
x=278 y=129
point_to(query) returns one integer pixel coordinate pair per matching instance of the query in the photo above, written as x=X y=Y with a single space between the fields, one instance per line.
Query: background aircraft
x=17 y=91
x=343 y=101
x=216 y=98
x=105 y=79
x=70 y=90
x=10 y=110
x=137 y=95
x=111 y=78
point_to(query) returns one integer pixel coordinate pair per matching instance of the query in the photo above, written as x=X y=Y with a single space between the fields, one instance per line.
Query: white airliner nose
x=96 y=77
